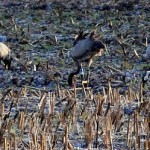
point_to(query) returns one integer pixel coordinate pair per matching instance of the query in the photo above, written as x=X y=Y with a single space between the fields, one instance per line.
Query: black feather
x=71 y=75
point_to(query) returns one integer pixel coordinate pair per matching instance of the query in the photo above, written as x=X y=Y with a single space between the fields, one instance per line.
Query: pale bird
x=5 y=55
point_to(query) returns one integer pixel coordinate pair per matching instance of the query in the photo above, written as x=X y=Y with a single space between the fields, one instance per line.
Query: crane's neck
x=71 y=75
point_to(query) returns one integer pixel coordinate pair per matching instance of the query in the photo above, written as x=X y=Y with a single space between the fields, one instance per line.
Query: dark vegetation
x=38 y=110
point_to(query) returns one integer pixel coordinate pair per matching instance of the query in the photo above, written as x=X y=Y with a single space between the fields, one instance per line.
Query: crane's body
x=84 y=50
x=4 y=50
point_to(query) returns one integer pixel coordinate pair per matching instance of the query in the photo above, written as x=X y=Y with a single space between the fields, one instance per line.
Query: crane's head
x=70 y=79
x=98 y=47
x=7 y=61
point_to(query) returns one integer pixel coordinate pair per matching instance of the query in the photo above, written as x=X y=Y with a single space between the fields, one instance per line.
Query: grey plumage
x=84 y=50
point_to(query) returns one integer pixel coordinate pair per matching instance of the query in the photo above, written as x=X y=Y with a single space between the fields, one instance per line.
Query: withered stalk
x=66 y=138
x=21 y=120
x=136 y=115
x=43 y=142
x=139 y=142
x=110 y=95
x=141 y=93
x=5 y=144
x=97 y=127
x=146 y=145
x=15 y=142
x=128 y=131
x=109 y=130
x=34 y=138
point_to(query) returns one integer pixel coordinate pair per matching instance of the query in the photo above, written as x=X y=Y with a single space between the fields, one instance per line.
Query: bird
x=5 y=55
x=148 y=52
x=145 y=78
x=84 y=50
x=146 y=75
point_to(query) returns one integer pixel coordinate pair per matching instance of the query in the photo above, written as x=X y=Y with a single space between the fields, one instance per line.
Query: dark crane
x=84 y=50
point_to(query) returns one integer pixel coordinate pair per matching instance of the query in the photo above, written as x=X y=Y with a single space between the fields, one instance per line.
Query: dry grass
x=94 y=120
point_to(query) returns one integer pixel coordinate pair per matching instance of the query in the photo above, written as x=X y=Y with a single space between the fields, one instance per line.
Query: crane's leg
x=82 y=73
x=88 y=71
x=88 y=75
